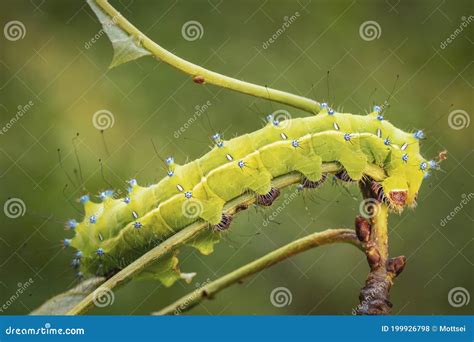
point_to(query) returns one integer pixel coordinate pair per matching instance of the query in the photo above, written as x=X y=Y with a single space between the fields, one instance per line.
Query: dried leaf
x=126 y=47
x=62 y=303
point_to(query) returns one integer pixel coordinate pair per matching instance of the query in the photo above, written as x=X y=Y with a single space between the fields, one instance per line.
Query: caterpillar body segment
x=115 y=232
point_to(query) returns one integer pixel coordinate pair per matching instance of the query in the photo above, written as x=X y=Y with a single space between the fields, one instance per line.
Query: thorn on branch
x=396 y=265
x=199 y=79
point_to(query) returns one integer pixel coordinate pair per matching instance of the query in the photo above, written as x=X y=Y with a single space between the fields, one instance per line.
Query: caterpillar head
x=401 y=189
x=405 y=169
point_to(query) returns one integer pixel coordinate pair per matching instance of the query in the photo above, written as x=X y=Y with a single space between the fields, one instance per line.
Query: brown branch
x=373 y=233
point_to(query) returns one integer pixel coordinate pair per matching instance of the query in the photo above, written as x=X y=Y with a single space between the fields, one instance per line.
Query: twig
x=191 y=231
x=204 y=75
x=326 y=237
x=373 y=233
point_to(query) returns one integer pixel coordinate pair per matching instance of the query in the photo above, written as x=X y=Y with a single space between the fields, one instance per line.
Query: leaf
x=62 y=303
x=165 y=270
x=205 y=241
x=126 y=47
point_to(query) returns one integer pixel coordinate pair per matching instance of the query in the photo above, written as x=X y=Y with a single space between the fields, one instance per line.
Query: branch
x=191 y=231
x=201 y=75
x=373 y=233
x=326 y=237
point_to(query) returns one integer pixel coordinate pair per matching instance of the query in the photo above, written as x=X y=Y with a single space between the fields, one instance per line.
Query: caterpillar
x=116 y=231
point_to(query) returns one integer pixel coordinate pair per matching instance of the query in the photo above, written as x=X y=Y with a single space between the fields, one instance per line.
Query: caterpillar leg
x=224 y=224
x=344 y=176
x=268 y=199
x=377 y=191
x=306 y=183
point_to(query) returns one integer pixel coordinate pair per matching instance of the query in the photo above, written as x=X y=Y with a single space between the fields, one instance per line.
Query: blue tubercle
x=78 y=255
x=72 y=224
x=433 y=164
x=405 y=157
x=218 y=140
x=295 y=143
x=67 y=242
x=170 y=173
x=137 y=225
x=241 y=164
x=331 y=111
x=169 y=160
x=99 y=252
x=419 y=135
x=92 y=219
x=347 y=137
x=387 y=142
x=423 y=166
x=104 y=194
x=377 y=109
x=84 y=199
x=380 y=117
x=127 y=200
x=324 y=105
x=188 y=194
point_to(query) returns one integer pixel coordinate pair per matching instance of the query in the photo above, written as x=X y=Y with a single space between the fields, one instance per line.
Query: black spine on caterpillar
x=268 y=199
x=306 y=183
x=224 y=224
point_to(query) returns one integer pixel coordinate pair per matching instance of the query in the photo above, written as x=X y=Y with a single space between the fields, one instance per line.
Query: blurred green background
x=67 y=81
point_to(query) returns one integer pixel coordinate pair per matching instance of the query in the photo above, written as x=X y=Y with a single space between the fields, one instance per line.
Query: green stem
x=326 y=237
x=210 y=77
x=374 y=296
x=191 y=231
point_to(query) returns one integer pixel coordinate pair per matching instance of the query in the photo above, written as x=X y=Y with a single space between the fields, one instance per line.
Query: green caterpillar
x=117 y=231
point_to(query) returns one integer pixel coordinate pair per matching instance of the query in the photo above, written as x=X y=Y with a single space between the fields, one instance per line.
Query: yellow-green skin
x=213 y=180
